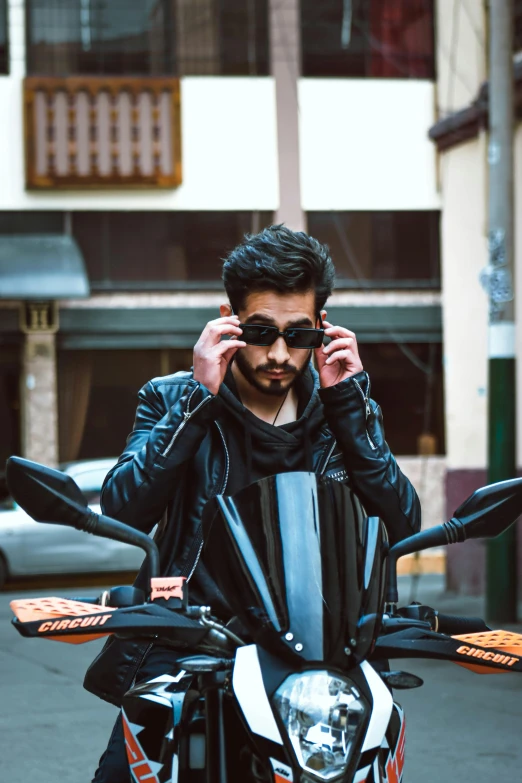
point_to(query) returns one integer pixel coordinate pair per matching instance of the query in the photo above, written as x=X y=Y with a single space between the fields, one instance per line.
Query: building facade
x=461 y=139
x=140 y=140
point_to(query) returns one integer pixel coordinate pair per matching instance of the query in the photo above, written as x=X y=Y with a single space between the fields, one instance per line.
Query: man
x=252 y=406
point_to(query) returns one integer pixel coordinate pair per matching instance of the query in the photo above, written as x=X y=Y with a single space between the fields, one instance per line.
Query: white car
x=30 y=548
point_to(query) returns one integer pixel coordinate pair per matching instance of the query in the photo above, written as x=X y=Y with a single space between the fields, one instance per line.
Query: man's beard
x=275 y=387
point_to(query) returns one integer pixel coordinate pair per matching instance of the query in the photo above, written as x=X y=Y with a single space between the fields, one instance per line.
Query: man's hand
x=212 y=355
x=340 y=359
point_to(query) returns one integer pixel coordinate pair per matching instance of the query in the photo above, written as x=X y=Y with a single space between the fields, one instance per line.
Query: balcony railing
x=102 y=132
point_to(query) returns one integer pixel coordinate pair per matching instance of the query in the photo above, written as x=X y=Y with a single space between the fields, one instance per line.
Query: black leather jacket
x=176 y=458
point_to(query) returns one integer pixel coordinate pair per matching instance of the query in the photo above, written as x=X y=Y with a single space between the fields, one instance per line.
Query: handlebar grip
x=455 y=626
x=83 y=600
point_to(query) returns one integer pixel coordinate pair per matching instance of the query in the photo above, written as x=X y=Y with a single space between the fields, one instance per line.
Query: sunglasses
x=294 y=337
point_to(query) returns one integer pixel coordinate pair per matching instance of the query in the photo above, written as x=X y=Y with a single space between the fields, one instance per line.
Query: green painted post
x=501 y=553
x=501 y=559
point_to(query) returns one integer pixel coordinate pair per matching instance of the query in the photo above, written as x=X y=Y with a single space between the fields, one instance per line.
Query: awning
x=104 y=328
x=41 y=266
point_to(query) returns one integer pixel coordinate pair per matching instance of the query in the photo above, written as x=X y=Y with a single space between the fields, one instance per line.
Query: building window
x=381 y=249
x=147 y=37
x=368 y=38
x=4 y=38
x=151 y=250
x=25 y=222
x=98 y=388
x=144 y=251
x=407 y=383
x=517 y=26
x=97 y=396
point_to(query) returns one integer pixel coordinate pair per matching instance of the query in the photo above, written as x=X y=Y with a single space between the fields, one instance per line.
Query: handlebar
x=456 y=626
x=83 y=600
x=417 y=614
x=128 y=597
x=451 y=625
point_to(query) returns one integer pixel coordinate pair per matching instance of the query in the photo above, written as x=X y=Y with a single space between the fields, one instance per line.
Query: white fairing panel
x=162 y=696
x=381 y=710
x=361 y=775
x=250 y=692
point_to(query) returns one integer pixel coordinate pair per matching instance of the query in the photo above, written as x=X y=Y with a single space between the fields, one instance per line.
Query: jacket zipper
x=225 y=481
x=139 y=664
x=227 y=458
x=328 y=457
x=367 y=407
x=186 y=417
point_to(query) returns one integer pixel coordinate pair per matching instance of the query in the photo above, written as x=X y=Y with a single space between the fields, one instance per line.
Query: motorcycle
x=296 y=687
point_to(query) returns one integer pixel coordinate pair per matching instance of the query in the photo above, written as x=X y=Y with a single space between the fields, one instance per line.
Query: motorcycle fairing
x=302 y=567
x=282 y=772
x=151 y=715
x=382 y=705
x=418 y=643
x=249 y=682
x=251 y=695
x=387 y=765
x=393 y=746
x=141 y=768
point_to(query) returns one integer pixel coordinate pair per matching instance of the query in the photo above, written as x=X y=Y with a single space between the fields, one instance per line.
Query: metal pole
x=501 y=560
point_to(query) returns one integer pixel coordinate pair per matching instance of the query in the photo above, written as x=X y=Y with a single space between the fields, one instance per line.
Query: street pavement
x=459 y=725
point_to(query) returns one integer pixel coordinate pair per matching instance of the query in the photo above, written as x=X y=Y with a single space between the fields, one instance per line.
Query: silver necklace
x=280 y=407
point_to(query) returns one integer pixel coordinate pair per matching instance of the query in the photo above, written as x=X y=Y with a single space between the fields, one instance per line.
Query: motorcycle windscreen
x=300 y=566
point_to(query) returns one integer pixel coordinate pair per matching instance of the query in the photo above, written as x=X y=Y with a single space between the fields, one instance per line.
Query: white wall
x=364 y=144
x=462 y=67
x=465 y=305
x=427 y=474
x=229 y=152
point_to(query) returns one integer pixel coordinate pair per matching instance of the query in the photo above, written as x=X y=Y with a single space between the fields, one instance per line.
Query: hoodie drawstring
x=309 y=456
x=248 y=451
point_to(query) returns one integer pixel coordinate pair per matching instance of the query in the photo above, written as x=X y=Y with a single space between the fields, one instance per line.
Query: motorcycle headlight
x=322 y=713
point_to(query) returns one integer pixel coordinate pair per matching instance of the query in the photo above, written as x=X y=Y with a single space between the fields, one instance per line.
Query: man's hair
x=278 y=259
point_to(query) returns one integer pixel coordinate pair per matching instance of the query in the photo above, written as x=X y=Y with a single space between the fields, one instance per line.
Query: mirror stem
x=449 y=533
x=100 y=525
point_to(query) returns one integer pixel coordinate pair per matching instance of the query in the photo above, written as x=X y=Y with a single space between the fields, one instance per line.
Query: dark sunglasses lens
x=304 y=338
x=258 y=335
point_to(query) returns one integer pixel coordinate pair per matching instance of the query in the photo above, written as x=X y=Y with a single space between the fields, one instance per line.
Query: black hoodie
x=258 y=449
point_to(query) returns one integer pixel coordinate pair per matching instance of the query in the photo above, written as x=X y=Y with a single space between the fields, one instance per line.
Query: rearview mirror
x=50 y=496
x=487 y=513
x=490 y=510
x=47 y=495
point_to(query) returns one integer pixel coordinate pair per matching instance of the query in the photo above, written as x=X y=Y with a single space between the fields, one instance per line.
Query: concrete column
x=39 y=399
x=285 y=54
